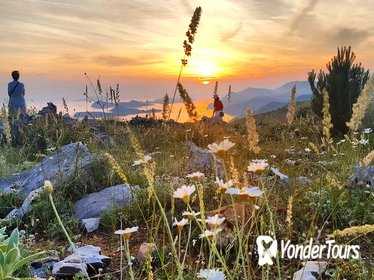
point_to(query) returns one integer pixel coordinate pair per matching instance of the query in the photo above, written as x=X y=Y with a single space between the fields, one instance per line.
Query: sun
x=205 y=70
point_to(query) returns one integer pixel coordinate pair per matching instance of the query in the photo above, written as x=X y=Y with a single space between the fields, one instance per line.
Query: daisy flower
x=211 y=274
x=142 y=161
x=215 y=220
x=258 y=166
x=180 y=224
x=126 y=233
x=219 y=148
x=210 y=234
x=196 y=175
x=184 y=193
x=190 y=215
x=245 y=193
x=278 y=174
x=368 y=130
x=222 y=187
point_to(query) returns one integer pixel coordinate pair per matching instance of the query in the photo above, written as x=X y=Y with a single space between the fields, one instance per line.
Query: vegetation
x=292 y=211
x=344 y=81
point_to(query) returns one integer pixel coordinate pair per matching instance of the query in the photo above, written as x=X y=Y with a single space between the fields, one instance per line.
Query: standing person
x=218 y=108
x=16 y=92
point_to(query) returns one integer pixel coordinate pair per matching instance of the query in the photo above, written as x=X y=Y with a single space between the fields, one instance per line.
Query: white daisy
x=222 y=187
x=126 y=233
x=258 y=166
x=223 y=146
x=211 y=274
x=184 y=193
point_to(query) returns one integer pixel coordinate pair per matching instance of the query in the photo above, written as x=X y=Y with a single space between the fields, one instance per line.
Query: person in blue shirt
x=16 y=92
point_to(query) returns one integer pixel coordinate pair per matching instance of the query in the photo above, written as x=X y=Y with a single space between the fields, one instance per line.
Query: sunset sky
x=138 y=43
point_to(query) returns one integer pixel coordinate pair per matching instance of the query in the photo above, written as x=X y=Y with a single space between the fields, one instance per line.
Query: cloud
x=302 y=15
x=350 y=36
x=231 y=34
x=113 y=60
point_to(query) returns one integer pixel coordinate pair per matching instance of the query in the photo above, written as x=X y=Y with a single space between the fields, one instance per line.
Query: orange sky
x=138 y=43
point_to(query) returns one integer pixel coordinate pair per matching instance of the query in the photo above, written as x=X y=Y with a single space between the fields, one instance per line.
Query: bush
x=344 y=82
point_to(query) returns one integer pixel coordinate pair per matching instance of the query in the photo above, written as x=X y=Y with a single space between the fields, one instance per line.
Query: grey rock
x=145 y=251
x=311 y=271
x=86 y=260
x=95 y=204
x=43 y=268
x=203 y=160
x=362 y=177
x=56 y=168
x=304 y=181
x=69 y=270
x=26 y=205
x=91 y=224
x=48 y=110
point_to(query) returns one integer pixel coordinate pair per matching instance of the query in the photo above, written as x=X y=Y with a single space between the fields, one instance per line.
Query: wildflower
x=362 y=104
x=364 y=141
x=48 y=188
x=252 y=134
x=273 y=156
x=211 y=274
x=126 y=233
x=142 y=161
x=222 y=187
x=190 y=215
x=326 y=122
x=357 y=230
x=184 y=193
x=221 y=147
x=368 y=159
x=210 y=234
x=196 y=175
x=307 y=150
x=367 y=130
x=258 y=166
x=215 y=220
x=180 y=224
x=291 y=110
x=278 y=174
x=245 y=193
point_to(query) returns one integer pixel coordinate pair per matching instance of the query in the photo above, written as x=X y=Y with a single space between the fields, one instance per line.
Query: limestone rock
x=145 y=250
x=311 y=271
x=56 y=168
x=86 y=260
x=362 y=177
x=91 y=224
x=95 y=204
x=203 y=160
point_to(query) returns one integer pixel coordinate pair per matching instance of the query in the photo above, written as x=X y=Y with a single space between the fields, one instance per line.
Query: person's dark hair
x=15 y=75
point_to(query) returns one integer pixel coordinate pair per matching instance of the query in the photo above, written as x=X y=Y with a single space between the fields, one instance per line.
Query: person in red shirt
x=218 y=107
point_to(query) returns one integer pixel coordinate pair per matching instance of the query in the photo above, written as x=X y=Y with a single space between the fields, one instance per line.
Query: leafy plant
x=10 y=255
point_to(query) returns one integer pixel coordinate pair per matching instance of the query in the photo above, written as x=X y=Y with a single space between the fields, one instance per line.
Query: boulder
x=312 y=270
x=362 y=177
x=43 y=268
x=50 y=109
x=57 y=167
x=95 y=204
x=145 y=250
x=91 y=224
x=86 y=260
x=203 y=160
